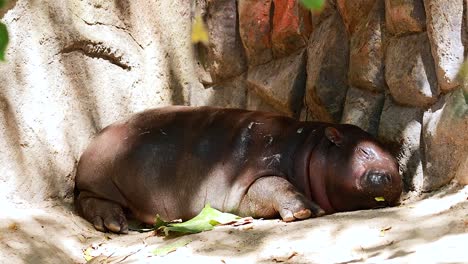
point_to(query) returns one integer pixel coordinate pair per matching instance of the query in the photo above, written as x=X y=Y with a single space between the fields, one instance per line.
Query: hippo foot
x=105 y=215
x=269 y=196
x=292 y=207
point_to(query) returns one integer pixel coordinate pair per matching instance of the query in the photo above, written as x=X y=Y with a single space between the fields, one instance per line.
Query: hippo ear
x=334 y=135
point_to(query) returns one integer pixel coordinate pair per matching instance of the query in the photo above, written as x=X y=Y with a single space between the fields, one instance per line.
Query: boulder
x=366 y=66
x=444 y=27
x=281 y=82
x=445 y=138
x=327 y=66
x=255 y=30
x=363 y=108
x=410 y=71
x=306 y=115
x=400 y=130
x=291 y=27
x=231 y=94
x=224 y=56
x=405 y=16
x=354 y=12
x=255 y=102
x=462 y=172
x=328 y=9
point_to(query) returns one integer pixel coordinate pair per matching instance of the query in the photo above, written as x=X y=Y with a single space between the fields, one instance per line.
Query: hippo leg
x=104 y=214
x=269 y=196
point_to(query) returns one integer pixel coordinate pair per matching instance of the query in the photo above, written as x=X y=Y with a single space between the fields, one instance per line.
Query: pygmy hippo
x=171 y=161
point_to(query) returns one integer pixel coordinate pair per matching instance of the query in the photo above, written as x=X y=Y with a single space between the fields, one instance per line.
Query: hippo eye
x=366 y=153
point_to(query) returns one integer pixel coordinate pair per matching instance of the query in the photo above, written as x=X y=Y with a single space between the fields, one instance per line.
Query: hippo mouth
x=380 y=186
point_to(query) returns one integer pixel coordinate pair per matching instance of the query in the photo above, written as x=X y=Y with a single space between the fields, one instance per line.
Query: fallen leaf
x=204 y=221
x=166 y=249
x=242 y=221
x=93 y=251
x=3 y=40
x=384 y=229
x=380 y=199
x=88 y=253
x=13 y=227
x=286 y=257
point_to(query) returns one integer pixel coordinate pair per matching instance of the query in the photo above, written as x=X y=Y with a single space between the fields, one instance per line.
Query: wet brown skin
x=172 y=161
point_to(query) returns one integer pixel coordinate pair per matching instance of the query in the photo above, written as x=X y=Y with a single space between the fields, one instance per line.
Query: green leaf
x=166 y=249
x=204 y=221
x=159 y=222
x=2 y=3
x=379 y=199
x=313 y=4
x=3 y=40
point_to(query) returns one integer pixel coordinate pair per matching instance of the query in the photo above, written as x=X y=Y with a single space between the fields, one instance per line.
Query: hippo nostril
x=378 y=179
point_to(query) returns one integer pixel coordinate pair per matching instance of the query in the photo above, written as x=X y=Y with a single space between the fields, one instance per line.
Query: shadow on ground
x=431 y=230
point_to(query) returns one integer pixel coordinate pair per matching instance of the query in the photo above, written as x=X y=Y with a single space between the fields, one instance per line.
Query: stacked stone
x=262 y=54
x=387 y=66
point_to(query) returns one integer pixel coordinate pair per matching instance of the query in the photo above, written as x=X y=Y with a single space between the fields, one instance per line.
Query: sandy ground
x=433 y=230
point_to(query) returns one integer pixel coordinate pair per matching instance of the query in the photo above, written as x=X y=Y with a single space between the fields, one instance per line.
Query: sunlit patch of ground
x=433 y=230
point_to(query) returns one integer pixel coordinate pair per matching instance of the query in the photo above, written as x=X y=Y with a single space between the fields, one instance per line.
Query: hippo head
x=359 y=172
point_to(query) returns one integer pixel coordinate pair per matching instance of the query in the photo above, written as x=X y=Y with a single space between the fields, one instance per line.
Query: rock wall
x=387 y=66
x=75 y=66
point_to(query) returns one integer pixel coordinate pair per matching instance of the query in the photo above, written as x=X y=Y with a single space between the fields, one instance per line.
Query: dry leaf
x=384 y=229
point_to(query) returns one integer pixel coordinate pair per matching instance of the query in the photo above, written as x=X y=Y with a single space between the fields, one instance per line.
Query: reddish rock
x=445 y=138
x=405 y=16
x=444 y=27
x=410 y=72
x=255 y=30
x=224 y=57
x=327 y=66
x=362 y=108
x=400 y=130
x=291 y=27
x=366 y=66
x=281 y=82
x=354 y=12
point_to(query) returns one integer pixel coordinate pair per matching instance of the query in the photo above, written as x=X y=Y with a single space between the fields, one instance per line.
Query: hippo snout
x=376 y=180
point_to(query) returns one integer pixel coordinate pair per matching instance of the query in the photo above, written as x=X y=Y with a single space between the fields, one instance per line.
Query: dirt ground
x=40 y=147
x=431 y=230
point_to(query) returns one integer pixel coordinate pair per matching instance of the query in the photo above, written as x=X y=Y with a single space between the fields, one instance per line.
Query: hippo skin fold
x=171 y=161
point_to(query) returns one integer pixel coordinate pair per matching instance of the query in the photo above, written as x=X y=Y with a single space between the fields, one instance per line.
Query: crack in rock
x=97 y=23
